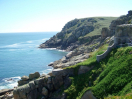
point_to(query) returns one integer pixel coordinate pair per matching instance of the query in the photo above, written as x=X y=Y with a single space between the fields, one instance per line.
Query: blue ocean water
x=20 y=55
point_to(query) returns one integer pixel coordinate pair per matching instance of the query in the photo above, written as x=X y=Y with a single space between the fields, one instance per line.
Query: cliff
x=78 y=32
x=102 y=32
x=85 y=77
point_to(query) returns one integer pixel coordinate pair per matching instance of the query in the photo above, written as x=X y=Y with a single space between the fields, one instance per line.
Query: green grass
x=100 y=24
x=111 y=76
x=117 y=73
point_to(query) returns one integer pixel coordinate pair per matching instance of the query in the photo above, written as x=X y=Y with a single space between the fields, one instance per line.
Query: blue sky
x=52 y=15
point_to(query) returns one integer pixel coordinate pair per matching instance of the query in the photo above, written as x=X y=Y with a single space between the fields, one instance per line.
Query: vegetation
x=97 y=22
x=110 y=78
x=101 y=22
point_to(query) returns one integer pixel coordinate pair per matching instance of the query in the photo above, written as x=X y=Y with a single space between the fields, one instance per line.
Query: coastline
x=12 y=78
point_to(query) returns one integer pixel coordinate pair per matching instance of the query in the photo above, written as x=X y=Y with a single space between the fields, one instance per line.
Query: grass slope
x=111 y=76
x=101 y=22
x=97 y=22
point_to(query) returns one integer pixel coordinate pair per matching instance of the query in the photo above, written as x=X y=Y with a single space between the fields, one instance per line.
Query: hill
x=78 y=32
x=79 y=75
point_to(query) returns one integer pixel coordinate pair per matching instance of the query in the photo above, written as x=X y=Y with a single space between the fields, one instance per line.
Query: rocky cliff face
x=125 y=19
x=75 y=38
x=74 y=34
x=69 y=34
x=123 y=34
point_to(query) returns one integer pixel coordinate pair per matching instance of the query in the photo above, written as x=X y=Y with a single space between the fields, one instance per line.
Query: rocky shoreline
x=50 y=86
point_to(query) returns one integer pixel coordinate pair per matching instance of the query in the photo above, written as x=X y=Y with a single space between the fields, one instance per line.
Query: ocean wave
x=56 y=49
x=46 y=71
x=51 y=48
x=11 y=82
x=12 y=45
x=26 y=44
x=45 y=39
x=29 y=41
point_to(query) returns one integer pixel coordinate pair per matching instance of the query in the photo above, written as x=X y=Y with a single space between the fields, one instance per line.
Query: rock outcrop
x=123 y=37
x=69 y=60
x=104 y=33
x=73 y=38
x=74 y=34
x=84 y=69
x=26 y=79
x=43 y=85
x=123 y=34
x=125 y=19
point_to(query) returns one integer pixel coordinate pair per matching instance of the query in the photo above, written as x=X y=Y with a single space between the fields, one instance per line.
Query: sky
x=52 y=15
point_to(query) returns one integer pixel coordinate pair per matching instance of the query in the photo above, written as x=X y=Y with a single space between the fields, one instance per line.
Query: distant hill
x=77 y=32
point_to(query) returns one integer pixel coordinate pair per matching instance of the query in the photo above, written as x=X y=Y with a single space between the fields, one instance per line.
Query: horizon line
x=29 y=32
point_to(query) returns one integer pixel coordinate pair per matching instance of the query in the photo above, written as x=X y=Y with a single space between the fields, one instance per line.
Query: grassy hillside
x=97 y=22
x=78 y=32
x=110 y=77
x=101 y=22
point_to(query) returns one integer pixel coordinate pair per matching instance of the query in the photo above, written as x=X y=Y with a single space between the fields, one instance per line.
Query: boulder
x=88 y=95
x=21 y=92
x=22 y=82
x=64 y=60
x=84 y=69
x=34 y=75
x=25 y=78
x=69 y=55
x=45 y=91
x=32 y=85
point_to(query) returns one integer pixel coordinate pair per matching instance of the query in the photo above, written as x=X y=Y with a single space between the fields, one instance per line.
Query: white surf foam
x=29 y=41
x=11 y=82
x=46 y=71
x=12 y=45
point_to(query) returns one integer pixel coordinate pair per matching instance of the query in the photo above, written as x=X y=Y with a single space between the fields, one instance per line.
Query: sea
x=20 y=55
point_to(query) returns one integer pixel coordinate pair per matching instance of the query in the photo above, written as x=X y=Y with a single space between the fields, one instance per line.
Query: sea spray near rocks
x=9 y=82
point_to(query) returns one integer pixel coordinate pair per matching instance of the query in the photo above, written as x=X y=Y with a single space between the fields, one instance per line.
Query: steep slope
x=87 y=43
x=78 y=32
x=112 y=76
x=108 y=78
